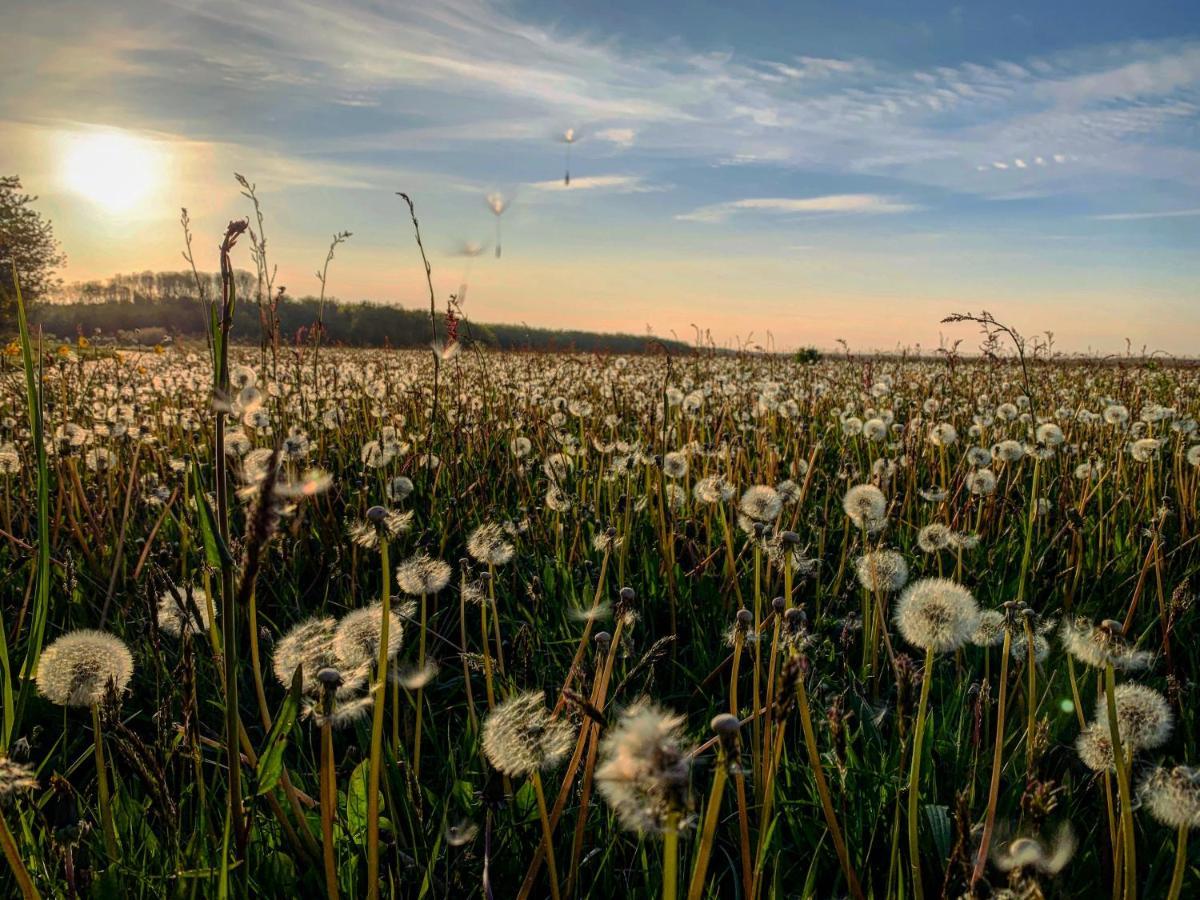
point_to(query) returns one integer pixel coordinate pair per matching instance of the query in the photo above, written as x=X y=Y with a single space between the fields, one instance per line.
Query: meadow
x=361 y=623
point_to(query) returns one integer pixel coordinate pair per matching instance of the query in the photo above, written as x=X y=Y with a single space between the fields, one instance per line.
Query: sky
x=780 y=173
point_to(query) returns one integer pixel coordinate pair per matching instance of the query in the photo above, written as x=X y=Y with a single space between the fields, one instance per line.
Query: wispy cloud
x=830 y=203
x=1136 y=216
x=620 y=184
x=622 y=137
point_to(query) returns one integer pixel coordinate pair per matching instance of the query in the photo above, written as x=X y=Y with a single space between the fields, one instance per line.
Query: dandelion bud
x=725 y=725
x=329 y=678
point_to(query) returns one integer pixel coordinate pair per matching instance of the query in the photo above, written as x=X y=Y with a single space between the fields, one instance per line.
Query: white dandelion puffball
x=77 y=669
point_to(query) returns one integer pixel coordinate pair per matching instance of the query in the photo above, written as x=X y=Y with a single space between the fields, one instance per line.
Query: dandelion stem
x=671 y=857
x=547 y=834
x=997 y=762
x=1125 y=797
x=700 y=872
x=1180 y=864
x=381 y=669
x=328 y=799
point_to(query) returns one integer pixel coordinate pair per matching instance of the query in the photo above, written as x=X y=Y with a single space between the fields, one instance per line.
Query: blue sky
x=817 y=171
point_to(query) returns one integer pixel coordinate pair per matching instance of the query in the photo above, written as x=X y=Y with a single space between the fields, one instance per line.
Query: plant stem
x=328 y=799
x=914 y=778
x=381 y=669
x=814 y=760
x=1180 y=864
x=20 y=873
x=547 y=834
x=700 y=872
x=106 y=815
x=997 y=762
x=671 y=857
x=1125 y=798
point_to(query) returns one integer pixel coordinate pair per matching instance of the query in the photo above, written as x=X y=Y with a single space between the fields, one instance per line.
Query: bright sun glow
x=114 y=169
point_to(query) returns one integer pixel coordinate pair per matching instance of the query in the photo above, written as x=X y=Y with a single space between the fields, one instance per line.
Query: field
x=472 y=624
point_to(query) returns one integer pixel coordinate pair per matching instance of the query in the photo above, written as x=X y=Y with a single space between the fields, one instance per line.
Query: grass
x=860 y=769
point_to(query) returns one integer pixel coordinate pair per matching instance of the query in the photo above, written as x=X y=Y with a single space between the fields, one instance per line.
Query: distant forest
x=147 y=307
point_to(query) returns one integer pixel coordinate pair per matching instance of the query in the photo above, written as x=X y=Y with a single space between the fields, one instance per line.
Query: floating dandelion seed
x=416 y=678
x=461 y=834
x=1028 y=853
x=497 y=204
x=568 y=137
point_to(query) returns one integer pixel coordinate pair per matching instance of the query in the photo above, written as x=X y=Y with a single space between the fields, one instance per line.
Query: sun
x=116 y=170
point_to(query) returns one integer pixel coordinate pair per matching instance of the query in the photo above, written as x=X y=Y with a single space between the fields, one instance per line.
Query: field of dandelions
x=485 y=625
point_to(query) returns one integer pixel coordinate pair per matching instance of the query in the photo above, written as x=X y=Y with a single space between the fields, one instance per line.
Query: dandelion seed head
x=1099 y=646
x=712 y=489
x=15 y=778
x=937 y=614
x=1144 y=718
x=882 y=571
x=183 y=610
x=866 y=506
x=1172 y=796
x=990 y=630
x=1094 y=746
x=422 y=575
x=520 y=736
x=760 y=503
x=935 y=537
x=489 y=544
x=77 y=669
x=645 y=768
x=356 y=638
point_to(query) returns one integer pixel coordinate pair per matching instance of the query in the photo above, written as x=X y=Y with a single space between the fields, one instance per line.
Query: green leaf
x=938 y=818
x=356 y=802
x=270 y=761
x=215 y=550
x=41 y=604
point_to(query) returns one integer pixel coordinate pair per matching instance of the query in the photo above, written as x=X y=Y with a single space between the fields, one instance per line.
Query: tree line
x=149 y=306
